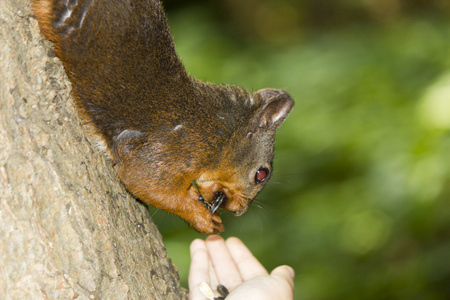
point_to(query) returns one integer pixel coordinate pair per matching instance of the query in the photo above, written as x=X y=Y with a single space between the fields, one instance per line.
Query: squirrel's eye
x=261 y=175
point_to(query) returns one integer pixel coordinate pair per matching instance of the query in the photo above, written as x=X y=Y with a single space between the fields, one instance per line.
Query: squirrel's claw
x=208 y=224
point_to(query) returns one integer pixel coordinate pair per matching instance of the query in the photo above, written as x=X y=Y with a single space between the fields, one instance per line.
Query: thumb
x=285 y=273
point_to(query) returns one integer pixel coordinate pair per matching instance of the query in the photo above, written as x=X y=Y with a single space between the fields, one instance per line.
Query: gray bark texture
x=68 y=229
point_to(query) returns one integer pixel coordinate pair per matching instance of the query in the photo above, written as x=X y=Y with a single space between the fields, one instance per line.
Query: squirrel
x=179 y=144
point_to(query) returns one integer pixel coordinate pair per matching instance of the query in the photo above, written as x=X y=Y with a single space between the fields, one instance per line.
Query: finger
x=199 y=269
x=285 y=273
x=226 y=270
x=248 y=265
x=213 y=281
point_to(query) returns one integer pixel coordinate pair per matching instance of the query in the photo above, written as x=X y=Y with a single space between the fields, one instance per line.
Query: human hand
x=232 y=265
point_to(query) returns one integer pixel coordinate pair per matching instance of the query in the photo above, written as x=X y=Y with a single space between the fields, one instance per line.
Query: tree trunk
x=68 y=229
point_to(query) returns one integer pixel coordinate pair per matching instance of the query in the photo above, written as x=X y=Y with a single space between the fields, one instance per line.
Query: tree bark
x=68 y=229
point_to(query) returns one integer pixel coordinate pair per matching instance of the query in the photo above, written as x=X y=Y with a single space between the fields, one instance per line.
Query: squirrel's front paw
x=207 y=223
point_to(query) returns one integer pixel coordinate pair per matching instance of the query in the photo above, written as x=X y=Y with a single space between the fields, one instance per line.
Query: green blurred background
x=359 y=201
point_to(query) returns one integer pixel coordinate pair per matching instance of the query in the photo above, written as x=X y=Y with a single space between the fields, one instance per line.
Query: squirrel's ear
x=277 y=106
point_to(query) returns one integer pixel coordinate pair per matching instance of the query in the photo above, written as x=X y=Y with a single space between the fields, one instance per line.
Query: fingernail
x=291 y=271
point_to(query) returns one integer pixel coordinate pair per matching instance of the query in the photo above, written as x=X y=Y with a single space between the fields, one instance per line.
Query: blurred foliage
x=281 y=20
x=359 y=201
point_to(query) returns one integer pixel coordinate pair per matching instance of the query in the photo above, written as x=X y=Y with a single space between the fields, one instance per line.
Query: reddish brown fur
x=43 y=12
x=174 y=140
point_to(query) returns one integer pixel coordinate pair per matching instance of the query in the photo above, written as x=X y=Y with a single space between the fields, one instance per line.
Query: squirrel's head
x=246 y=162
